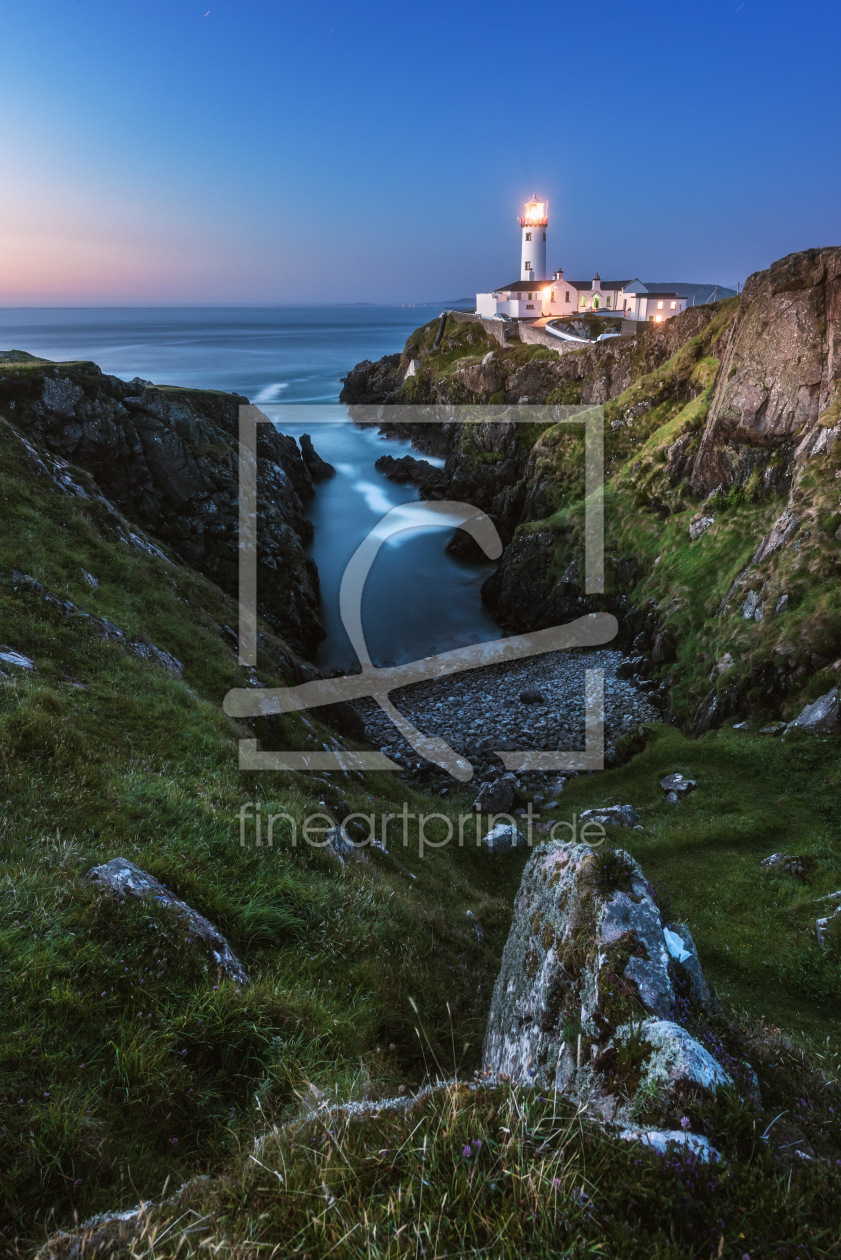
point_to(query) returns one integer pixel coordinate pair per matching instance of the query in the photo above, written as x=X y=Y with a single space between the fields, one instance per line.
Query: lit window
x=659 y=306
x=674 y=306
x=595 y=303
x=528 y=236
x=528 y=266
x=582 y=299
x=552 y=297
x=659 y=319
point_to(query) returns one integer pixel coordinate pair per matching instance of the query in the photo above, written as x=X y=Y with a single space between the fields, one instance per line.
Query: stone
x=319 y=469
x=821 y=717
x=780 y=533
x=503 y=838
x=775 y=859
x=495 y=797
x=157 y=656
x=677 y=783
x=773 y=728
x=164 y=462
x=671 y=798
x=751 y=606
x=697 y=528
x=532 y=697
x=586 y=974
x=741 y=726
x=821 y=925
x=9 y=656
x=660 y=1140
x=781 y=605
x=612 y=816
x=127 y=880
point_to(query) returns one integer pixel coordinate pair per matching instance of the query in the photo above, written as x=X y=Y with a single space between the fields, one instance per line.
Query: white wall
x=533 y=251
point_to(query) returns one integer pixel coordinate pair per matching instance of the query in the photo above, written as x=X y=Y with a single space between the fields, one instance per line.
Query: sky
x=254 y=152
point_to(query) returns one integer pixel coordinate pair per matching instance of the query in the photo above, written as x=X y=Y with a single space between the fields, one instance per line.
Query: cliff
x=168 y=458
x=721 y=492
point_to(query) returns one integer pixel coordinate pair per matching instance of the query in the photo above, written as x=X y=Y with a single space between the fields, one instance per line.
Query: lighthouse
x=533 y=225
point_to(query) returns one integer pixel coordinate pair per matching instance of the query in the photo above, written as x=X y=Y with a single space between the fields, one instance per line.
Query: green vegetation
x=128 y=1065
x=122 y=1061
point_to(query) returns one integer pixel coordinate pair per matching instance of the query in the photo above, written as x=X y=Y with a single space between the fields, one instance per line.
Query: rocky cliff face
x=777 y=387
x=722 y=505
x=168 y=458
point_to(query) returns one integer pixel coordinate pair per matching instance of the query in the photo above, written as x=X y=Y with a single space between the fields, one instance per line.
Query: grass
x=487 y=1170
x=127 y=1062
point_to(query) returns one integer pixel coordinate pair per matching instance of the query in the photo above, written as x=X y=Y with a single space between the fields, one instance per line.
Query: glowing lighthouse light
x=533 y=225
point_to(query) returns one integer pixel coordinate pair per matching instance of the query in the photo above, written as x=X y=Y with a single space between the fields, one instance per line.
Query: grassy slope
x=139 y=764
x=135 y=762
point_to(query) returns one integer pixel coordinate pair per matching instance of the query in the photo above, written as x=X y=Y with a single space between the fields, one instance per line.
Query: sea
x=418 y=600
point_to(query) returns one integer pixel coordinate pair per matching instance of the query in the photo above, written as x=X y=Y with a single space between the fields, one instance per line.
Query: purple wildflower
x=684 y=1122
x=466 y=1152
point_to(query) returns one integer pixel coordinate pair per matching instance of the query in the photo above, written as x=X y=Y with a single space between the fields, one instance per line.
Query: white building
x=533 y=225
x=534 y=297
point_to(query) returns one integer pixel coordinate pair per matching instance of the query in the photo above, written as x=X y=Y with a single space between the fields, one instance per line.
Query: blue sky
x=250 y=151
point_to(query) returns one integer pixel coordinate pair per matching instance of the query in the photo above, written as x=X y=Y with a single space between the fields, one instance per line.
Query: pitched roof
x=522 y=286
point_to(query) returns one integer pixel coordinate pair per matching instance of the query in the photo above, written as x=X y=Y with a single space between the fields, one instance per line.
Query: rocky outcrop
x=127 y=880
x=168 y=458
x=779 y=377
x=319 y=469
x=595 y=989
x=417 y=472
x=372 y=382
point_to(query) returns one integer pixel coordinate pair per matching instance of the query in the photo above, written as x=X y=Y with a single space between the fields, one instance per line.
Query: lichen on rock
x=586 y=996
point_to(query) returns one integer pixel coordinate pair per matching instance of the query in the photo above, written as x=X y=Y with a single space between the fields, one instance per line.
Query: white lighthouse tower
x=533 y=225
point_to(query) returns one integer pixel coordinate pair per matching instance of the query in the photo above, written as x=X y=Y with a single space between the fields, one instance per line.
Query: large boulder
x=127 y=880
x=593 y=985
x=821 y=717
x=495 y=796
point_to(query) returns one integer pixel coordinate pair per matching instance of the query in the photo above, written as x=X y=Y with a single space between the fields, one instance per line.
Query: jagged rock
x=408 y=469
x=157 y=656
x=503 y=838
x=127 y=880
x=821 y=716
x=777 y=373
x=9 y=656
x=320 y=470
x=780 y=533
x=584 y=999
x=495 y=797
x=677 y=783
x=168 y=459
x=671 y=798
x=612 y=816
x=697 y=528
x=776 y=859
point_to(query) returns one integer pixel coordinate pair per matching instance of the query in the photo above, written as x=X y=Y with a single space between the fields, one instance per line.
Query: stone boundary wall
x=493 y=326
x=537 y=337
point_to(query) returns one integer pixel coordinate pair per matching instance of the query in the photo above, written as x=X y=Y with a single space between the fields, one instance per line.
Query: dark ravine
x=720 y=434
